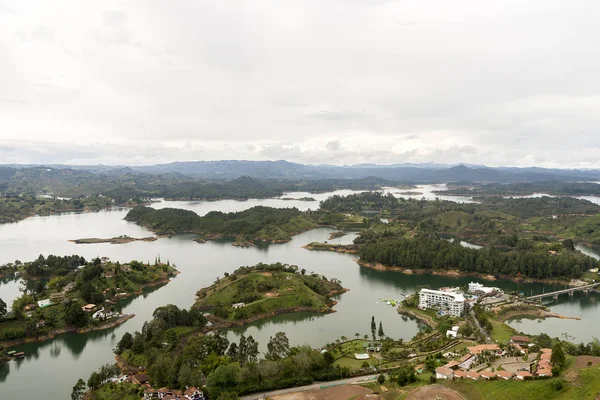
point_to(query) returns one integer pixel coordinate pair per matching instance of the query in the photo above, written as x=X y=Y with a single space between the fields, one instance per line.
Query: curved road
x=314 y=386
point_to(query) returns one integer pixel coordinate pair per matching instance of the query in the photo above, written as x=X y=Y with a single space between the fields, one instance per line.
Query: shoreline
x=456 y=273
x=112 y=324
x=220 y=323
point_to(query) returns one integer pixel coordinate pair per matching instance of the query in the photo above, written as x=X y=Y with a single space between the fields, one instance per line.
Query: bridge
x=570 y=291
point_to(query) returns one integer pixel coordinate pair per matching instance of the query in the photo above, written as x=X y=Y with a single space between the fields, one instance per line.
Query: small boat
x=19 y=355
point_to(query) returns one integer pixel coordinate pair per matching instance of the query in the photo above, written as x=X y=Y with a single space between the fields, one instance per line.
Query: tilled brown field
x=333 y=393
x=434 y=393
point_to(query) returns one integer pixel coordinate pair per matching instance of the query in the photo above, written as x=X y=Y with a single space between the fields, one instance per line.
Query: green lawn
x=501 y=332
x=585 y=387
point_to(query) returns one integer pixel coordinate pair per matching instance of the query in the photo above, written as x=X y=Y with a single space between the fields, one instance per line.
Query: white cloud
x=341 y=82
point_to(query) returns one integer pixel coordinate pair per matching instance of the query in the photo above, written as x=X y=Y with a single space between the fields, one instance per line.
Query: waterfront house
x=444 y=373
x=44 y=303
x=88 y=307
x=140 y=379
x=520 y=340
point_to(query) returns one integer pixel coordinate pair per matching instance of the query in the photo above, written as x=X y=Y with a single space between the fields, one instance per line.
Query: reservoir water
x=56 y=365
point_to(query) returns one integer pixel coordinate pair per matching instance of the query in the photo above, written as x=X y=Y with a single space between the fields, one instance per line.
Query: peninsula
x=79 y=296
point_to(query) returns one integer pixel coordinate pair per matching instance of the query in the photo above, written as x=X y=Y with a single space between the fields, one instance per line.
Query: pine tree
x=373 y=327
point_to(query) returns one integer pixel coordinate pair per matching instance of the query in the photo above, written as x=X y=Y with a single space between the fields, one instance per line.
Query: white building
x=475 y=287
x=450 y=302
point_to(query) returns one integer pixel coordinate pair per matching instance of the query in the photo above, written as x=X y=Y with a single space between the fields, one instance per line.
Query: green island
x=255 y=224
x=298 y=199
x=261 y=291
x=70 y=294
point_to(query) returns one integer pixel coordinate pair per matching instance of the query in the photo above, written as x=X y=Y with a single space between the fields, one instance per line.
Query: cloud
x=334 y=81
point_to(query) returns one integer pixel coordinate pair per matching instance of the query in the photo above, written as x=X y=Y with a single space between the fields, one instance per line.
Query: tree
x=278 y=346
x=3 y=309
x=125 y=343
x=373 y=327
x=94 y=381
x=381 y=379
x=78 y=390
x=357 y=335
x=466 y=330
x=380 y=332
x=74 y=315
x=568 y=244
x=558 y=356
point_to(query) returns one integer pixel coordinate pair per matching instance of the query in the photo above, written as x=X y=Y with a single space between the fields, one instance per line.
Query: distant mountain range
x=402 y=173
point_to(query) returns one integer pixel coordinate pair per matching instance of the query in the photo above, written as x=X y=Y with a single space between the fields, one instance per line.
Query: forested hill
x=437 y=254
x=260 y=223
x=418 y=209
x=556 y=188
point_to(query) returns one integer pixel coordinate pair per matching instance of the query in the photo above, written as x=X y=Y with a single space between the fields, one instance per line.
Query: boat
x=19 y=355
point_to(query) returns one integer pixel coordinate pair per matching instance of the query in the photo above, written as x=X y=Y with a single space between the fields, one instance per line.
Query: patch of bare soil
x=434 y=392
x=582 y=361
x=266 y=273
x=271 y=294
x=333 y=393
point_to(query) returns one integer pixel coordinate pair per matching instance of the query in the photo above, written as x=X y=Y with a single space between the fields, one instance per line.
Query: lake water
x=57 y=364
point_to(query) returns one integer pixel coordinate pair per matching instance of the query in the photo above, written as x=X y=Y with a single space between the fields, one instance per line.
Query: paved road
x=314 y=386
x=481 y=328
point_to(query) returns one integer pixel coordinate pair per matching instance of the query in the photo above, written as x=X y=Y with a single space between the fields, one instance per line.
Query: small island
x=338 y=248
x=114 y=240
x=264 y=290
x=298 y=199
x=336 y=234
x=79 y=296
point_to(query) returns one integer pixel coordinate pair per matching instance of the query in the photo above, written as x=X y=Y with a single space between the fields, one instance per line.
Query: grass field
x=501 y=332
x=579 y=384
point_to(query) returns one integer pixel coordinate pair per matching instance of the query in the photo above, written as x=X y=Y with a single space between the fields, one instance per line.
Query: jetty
x=569 y=291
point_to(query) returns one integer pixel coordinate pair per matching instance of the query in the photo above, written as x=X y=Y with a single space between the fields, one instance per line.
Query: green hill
x=267 y=289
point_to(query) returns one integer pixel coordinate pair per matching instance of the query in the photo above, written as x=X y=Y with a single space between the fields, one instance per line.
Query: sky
x=339 y=82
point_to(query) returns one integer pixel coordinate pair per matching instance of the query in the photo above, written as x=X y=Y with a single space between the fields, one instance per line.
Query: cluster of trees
x=256 y=222
x=557 y=188
x=53 y=265
x=433 y=253
x=210 y=360
x=359 y=202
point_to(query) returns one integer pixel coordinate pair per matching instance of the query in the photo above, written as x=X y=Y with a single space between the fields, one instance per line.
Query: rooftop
x=458 y=297
x=483 y=347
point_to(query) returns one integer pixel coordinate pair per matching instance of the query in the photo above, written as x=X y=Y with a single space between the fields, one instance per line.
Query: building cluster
x=478 y=288
x=190 y=392
x=453 y=301
x=468 y=366
x=448 y=301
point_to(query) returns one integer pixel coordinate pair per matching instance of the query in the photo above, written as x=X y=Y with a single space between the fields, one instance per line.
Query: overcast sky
x=324 y=81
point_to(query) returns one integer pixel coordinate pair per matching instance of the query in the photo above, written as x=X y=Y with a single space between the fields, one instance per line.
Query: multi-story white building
x=450 y=302
x=475 y=287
